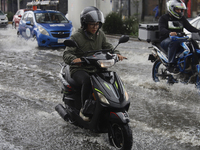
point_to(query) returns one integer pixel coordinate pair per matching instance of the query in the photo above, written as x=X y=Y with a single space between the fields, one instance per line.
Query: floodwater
x=163 y=117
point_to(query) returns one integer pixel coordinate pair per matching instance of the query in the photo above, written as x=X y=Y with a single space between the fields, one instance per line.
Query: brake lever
x=116 y=58
x=84 y=59
x=181 y=34
x=76 y=63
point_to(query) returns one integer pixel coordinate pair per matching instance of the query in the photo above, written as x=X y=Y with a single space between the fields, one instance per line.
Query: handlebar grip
x=83 y=60
x=76 y=63
x=181 y=34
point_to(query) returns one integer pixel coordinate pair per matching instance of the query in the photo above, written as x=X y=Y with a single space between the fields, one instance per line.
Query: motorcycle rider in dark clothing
x=89 y=37
x=170 y=24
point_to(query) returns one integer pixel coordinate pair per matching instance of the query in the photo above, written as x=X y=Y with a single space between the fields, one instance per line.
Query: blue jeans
x=171 y=47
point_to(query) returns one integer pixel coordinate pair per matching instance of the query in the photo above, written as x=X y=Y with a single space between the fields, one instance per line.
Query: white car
x=196 y=23
x=3 y=19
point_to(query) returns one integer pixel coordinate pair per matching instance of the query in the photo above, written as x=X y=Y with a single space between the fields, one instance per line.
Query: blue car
x=50 y=28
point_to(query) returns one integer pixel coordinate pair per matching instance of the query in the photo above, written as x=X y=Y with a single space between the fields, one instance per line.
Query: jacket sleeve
x=163 y=27
x=188 y=26
x=69 y=55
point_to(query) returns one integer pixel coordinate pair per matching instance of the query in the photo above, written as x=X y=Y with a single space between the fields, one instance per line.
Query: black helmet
x=172 y=5
x=91 y=14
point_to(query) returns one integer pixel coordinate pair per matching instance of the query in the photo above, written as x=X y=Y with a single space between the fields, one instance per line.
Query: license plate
x=61 y=40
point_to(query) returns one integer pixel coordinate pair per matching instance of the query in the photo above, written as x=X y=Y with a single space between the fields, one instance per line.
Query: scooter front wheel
x=120 y=136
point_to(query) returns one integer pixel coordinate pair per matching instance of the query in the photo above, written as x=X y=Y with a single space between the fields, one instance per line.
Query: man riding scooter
x=89 y=37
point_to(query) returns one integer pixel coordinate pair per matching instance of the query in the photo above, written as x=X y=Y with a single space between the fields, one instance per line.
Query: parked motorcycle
x=108 y=104
x=187 y=58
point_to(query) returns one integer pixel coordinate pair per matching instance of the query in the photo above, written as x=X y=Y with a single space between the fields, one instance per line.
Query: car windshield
x=50 y=18
x=1 y=13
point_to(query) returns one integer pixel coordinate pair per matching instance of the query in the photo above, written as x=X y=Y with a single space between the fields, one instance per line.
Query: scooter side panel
x=112 y=90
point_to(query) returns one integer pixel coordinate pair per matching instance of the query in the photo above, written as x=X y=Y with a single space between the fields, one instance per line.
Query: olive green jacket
x=86 y=42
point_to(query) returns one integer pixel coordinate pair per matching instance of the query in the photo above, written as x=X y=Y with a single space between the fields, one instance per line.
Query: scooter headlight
x=106 y=63
x=102 y=98
x=43 y=31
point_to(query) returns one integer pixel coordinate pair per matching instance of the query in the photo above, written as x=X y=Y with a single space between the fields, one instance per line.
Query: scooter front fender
x=119 y=117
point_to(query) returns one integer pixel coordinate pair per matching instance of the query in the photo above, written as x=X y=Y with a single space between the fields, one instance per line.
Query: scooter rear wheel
x=198 y=82
x=159 y=73
x=120 y=136
x=198 y=77
x=156 y=70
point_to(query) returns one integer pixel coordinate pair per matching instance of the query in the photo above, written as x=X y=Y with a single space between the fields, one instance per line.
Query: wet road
x=163 y=117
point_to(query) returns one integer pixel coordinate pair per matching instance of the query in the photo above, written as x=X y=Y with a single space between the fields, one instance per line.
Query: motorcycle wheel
x=198 y=83
x=158 y=68
x=198 y=79
x=120 y=136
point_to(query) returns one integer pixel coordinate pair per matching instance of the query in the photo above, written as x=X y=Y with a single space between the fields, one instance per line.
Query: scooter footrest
x=152 y=58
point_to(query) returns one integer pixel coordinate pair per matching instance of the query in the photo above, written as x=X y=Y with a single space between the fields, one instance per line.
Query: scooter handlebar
x=179 y=37
x=83 y=60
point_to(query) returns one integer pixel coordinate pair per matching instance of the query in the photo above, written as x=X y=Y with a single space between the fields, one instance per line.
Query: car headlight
x=106 y=63
x=6 y=18
x=43 y=31
x=102 y=98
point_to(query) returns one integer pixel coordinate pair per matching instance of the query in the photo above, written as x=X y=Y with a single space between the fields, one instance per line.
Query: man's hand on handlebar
x=77 y=60
x=120 y=57
x=172 y=33
x=179 y=34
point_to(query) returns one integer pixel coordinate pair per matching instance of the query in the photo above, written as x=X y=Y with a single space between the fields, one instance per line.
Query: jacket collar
x=90 y=35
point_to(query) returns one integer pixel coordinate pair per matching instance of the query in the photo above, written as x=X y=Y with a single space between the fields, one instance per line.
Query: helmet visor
x=94 y=16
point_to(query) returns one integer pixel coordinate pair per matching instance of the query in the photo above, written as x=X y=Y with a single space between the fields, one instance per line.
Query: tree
x=186 y=2
x=143 y=10
x=135 y=4
x=160 y=4
x=129 y=8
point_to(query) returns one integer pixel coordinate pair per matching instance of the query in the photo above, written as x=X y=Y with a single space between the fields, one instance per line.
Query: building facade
x=76 y=6
x=125 y=7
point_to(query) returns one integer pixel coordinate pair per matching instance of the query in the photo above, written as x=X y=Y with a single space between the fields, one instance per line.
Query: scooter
x=188 y=62
x=108 y=104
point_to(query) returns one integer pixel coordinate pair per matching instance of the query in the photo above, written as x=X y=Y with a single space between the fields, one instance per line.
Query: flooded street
x=162 y=117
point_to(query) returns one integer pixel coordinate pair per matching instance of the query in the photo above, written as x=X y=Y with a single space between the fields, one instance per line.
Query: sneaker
x=82 y=116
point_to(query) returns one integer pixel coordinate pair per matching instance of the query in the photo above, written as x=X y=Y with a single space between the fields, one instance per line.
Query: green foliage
x=115 y=25
x=9 y=15
x=130 y=25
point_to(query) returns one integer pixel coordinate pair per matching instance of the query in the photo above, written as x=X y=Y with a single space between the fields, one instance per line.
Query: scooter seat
x=68 y=78
x=158 y=45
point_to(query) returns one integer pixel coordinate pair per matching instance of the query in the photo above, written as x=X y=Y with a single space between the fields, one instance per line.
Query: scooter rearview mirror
x=70 y=43
x=123 y=39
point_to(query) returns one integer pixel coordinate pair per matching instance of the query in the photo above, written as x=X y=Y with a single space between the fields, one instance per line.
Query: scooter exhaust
x=62 y=112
